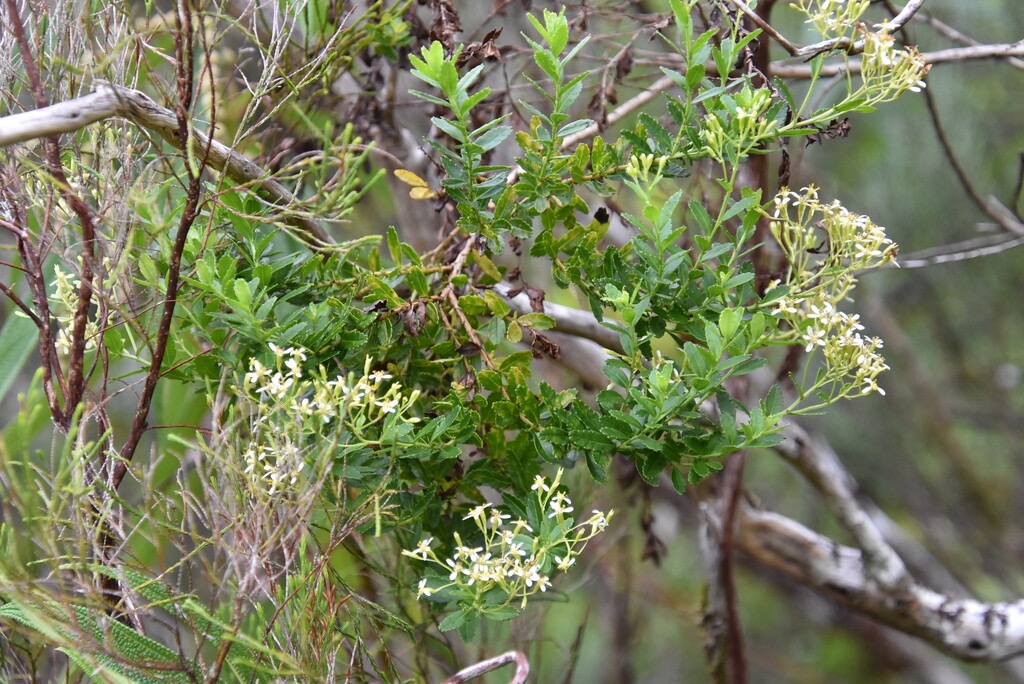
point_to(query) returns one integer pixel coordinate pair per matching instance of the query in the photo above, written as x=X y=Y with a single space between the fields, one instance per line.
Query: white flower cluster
x=815 y=234
x=847 y=353
x=824 y=245
x=292 y=407
x=832 y=18
x=512 y=556
x=888 y=72
x=65 y=302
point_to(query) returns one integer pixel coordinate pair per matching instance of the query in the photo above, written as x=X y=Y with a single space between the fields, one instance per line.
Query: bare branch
x=963 y=628
x=789 y=46
x=962 y=54
x=823 y=470
x=115 y=101
x=962 y=251
x=944 y=29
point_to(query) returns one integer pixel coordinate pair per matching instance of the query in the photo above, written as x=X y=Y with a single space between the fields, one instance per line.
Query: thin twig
x=1006 y=51
x=790 y=47
x=189 y=213
x=961 y=251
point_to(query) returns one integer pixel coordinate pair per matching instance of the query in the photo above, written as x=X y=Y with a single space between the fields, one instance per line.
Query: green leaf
x=450 y=128
x=729 y=322
x=554 y=435
x=590 y=440
x=381 y=290
x=701 y=216
x=493 y=138
x=537 y=321
x=394 y=246
x=597 y=464
x=487 y=266
x=657 y=132
x=678 y=481
x=650 y=443
x=573 y=127
x=548 y=64
x=514 y=333
x=242 y=294
x=453 y=621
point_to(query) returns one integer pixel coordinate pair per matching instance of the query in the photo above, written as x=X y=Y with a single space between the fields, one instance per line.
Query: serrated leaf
x=678 y=481
x=598 y=464
x=453 y=621
x=554 y=435
x=650 y=443
x=589 y=440
x=615 y=429
x=729 y=322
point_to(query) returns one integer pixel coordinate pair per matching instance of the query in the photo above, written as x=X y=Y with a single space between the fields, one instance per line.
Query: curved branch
x=964 y=628
x=485 y=666
x=822 y=469
x=108 y=101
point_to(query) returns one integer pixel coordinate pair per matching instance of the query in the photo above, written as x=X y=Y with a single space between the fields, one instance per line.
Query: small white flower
x=598 y=523
x=814 y=337
x=497 y=517
x=456 y=567
x=871 y=385
x=560 y=504
x=422 y=550
x=387 y=405
x=477 y=513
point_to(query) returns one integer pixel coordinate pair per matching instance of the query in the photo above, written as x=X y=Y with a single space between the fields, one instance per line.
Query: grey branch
x=822 y=469
x=960 y=54
x=108 y=101
x=964 y=628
